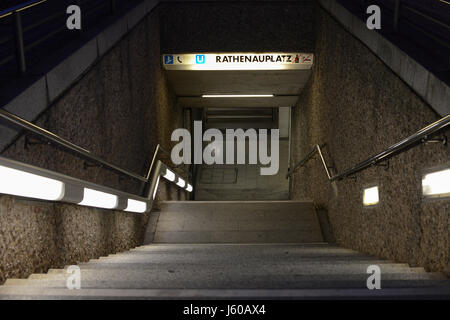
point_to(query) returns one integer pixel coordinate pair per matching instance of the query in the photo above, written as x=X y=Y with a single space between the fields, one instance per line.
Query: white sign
x=238 y=61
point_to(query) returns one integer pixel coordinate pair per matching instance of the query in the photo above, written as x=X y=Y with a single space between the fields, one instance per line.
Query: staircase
x=233 y=250
x=237 y=222
x=243 y=118
x=200 y=271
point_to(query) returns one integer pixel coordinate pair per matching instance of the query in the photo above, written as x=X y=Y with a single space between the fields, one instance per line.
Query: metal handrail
x=86 y=154
x=20 y=7
x=79 y=151
x=18 y=35
x=423 y=135
x=398 y=5
x=155 y=156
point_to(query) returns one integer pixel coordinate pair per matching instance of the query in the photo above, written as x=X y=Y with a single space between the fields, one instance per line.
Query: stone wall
x=357 y=106
x=240 y=26
x=119 y=110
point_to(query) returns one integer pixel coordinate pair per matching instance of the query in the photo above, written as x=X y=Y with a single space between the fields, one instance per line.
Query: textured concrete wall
x=36 y=236
x=358 y=107
x=119 y=111
x=237 y=26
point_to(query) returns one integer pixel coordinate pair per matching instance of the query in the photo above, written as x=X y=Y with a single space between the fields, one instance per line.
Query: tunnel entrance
x=240 y=91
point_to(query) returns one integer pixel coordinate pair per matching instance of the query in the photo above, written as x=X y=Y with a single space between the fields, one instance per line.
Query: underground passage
x=221 y=150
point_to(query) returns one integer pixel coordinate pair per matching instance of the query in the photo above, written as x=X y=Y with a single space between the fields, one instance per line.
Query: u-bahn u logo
x=200 y=58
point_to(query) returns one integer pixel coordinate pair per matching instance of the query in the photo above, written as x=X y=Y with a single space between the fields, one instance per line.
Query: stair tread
x=50 y=293
x=229 y=270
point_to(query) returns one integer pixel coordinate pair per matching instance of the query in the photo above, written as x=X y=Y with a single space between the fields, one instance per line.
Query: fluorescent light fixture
x=371 y=197
x=189 y=188
x=24 y=184
x=136 y=206
x=99 y=199
x=436 y=184
x=237 y=96
x=156 y=188
x=181 y=183
x=169 y=175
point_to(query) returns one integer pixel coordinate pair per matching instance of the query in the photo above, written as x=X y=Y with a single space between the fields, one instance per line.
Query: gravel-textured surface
x=36 y=236
x=226 y=26
x=358 y=107
x=119 y=111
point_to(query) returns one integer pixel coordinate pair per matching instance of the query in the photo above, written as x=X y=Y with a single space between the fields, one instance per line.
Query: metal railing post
x=421 y=136
x=112 y=6
x=20 y=48
x=396 y=14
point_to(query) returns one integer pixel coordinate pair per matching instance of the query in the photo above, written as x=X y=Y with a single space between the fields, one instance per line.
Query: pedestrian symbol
x=168 y=59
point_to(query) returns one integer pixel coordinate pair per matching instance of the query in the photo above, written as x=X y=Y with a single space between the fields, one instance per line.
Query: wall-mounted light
x=371 y=196
x=136 y=206
x=436 y=184
x=99 y=199
x=181 y=183
x=169 y=175
x=237 y=96
x=25 y=184
x=189 y=188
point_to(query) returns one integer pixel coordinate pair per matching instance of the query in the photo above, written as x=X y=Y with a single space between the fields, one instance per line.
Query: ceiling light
x=237 y=96
x=189 y=188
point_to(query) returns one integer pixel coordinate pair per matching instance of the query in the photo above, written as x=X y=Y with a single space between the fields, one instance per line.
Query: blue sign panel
x=200 y=58
x=168 y=59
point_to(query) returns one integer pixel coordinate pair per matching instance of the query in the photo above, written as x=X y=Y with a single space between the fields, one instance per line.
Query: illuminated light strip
x=29 y=185
x=445 y=1
x=99 y=199
x=136 y=206
x=189 y=188
x=371 y=196
x=169 y=175
x=237 y=96
x=181 y=183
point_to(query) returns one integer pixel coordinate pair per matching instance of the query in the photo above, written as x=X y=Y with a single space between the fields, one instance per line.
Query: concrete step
x=203 y=276
x=237 y=222
x=271 y=282
x=205 y=262
x=236 y=236
x=237 y=207
x=204 y=192
x=230 y=271
x=363 y=293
